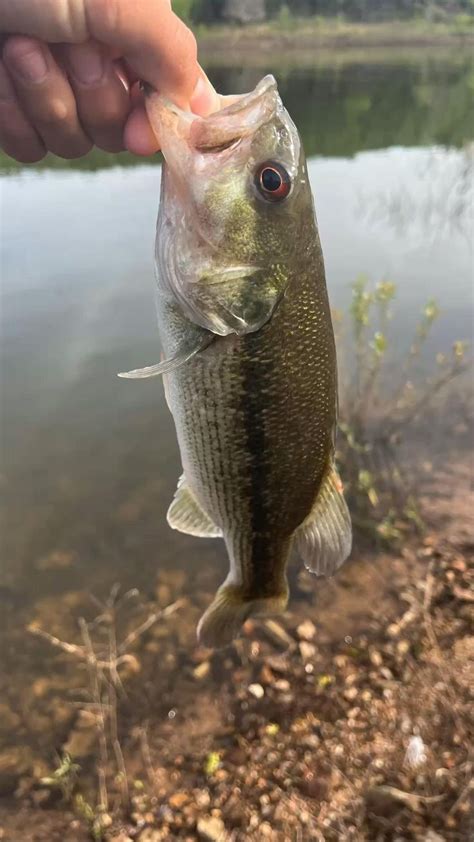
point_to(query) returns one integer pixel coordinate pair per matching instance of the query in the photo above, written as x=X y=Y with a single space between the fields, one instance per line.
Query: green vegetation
x=216 y=11
x=374 y=416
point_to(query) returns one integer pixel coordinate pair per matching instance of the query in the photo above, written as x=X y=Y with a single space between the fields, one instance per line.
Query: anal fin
x=324 y=539
x=186 y=515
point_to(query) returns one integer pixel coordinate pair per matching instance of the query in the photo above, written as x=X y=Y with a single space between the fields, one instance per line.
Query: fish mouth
x=240 y=117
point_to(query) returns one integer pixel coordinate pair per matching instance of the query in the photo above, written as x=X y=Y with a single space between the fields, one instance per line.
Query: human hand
x=69 y=73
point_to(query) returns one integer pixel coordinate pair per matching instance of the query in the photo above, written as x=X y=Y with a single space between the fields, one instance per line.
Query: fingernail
x=30 y=64
x=86 y=64
x=204 y=99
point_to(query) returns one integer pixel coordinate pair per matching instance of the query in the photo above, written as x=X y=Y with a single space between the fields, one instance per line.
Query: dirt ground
x=350 y=719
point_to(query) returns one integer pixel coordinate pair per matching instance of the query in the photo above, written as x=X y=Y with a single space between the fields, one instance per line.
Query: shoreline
x=314 y=41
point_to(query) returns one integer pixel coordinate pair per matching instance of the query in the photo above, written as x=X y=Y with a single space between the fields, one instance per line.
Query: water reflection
x=435 y=200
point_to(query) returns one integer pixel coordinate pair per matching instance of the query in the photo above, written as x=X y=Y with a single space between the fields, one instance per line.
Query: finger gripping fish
x=250 y=369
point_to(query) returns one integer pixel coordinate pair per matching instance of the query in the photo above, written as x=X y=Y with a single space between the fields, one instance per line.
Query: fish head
x=234 y=193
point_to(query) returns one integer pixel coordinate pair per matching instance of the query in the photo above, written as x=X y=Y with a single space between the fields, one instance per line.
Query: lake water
x=89 y=462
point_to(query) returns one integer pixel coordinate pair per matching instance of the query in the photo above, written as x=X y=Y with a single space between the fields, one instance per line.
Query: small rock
x=9 y=720
x=432 y=836
x=150 y=834
x=351 y=693
x=266 y=676
x=178 y=800
x=375 y=658
x=307 y=650
x=257 y=690
x=306 y=630
x=129 y=666
x=83 y=737
x=202 y=798
x=277 y=634
x=278 y=663
x=282 y=685
x=212 y=829
x=202 y=671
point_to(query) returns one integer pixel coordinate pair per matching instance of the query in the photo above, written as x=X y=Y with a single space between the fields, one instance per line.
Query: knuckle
x=54 y=112
x=103 y=16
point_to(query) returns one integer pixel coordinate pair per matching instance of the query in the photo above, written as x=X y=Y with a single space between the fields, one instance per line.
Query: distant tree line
x=243 y=11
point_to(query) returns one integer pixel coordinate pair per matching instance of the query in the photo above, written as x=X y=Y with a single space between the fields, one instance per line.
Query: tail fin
x=222 y=621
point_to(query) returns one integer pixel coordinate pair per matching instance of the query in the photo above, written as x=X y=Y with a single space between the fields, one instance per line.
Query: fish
x=250 y=371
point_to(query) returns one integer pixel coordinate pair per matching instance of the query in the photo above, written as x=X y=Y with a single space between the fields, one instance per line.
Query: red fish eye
x=272 y=181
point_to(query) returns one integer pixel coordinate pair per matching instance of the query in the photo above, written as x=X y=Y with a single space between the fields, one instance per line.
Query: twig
x=95 y=676
x=146 y=755
x=148 y=623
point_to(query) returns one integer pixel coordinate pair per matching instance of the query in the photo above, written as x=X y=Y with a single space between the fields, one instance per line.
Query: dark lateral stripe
x=259 y=569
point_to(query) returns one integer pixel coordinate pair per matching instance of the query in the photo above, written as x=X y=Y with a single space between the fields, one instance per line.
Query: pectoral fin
x=186 y=515
x=173 y=363
x=324 y=539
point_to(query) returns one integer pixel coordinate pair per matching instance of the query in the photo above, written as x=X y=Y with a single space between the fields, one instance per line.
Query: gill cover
x=219 y=252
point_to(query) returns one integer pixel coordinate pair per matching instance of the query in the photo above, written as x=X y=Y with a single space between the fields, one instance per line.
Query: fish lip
x=224 y=128
x=240 y=103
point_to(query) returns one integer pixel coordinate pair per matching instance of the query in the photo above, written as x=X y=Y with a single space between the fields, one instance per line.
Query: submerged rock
x=15 y=761
x=211 y=829
x=82 y=739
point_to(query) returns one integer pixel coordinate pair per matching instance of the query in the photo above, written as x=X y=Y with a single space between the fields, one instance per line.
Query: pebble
x=83 y=737
x=350 y=693
x=277 y=634
x=178 y=800
x=376 y=658
x=212 y=829
x=432 y=836
x=282 y=685
x=257 y=690
x=306 y=630
x=202 y=671
x=307 y=650
x=9 y=720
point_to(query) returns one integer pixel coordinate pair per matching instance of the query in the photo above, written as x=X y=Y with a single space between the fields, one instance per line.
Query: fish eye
x=272 y=181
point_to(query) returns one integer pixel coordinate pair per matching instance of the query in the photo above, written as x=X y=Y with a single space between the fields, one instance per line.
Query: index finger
x=155 y=42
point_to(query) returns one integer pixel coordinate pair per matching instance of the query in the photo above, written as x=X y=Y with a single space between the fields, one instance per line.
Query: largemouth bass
x=250 y=369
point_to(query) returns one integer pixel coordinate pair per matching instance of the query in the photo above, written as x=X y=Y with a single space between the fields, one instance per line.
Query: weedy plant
x=375 y=416
x=103 y=657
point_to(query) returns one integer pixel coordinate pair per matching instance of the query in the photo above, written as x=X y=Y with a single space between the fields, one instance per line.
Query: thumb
x=204 y=100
